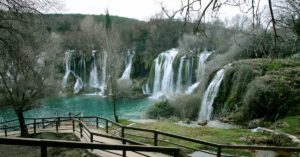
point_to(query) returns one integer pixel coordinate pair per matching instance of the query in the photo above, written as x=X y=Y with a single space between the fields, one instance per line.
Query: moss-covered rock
x=260 y=88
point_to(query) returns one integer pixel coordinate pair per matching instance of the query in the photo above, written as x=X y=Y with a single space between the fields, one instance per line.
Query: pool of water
x=88 y=105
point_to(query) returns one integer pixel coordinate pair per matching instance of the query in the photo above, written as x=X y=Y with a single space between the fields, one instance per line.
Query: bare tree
x=212 y=7
x=24 y=63
x=112 y=45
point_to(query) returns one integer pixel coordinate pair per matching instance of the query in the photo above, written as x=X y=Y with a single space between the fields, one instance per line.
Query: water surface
x=88 y=105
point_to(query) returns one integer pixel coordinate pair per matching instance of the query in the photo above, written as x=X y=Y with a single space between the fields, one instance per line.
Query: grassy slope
x=221 y=136
x=26 y=151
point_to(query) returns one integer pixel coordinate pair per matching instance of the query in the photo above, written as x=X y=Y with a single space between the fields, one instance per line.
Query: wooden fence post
x=91 y=137
x=43 y=151
x=73 y=125
x=219 y=152
x=43 y=123
x=34 y=126
x=5 y=130
x=97 y=122
x=155 y=138
x=56 y=126
x=122 y=132
x=176 y=153
x=106 y=126
x=80 y=126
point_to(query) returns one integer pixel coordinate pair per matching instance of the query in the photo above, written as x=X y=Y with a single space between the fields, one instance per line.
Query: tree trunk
x=115 y=111
x=23 y=127
x=275 y=35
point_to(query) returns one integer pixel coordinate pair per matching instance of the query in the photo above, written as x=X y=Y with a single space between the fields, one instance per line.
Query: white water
x=163 y=80
x=94 y=72
x=179 y=78
x=200 y=71
x=146 y=89
x=103 y=79
x=201 y=64
x=67 y=62
x=210 y=95
x=128 y=64
x=192 y=88
x=78 y=85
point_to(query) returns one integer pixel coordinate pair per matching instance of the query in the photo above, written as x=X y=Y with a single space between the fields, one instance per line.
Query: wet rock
x=259 y=140
x=202 y=123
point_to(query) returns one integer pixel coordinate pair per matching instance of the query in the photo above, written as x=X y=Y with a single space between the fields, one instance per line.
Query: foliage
x=234 y=84
x=161 y=109
x=259 y=89
x=187 y=106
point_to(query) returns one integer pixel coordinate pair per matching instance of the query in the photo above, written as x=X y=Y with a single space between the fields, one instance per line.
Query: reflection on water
x=88 y=105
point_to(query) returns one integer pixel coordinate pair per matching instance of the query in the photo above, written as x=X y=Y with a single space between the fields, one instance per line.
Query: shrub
x=161 y=109
x=187 y=106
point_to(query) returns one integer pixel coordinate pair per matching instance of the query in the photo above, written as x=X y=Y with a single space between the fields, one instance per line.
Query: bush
x=269 y=101
x=161 y=109
x=187 y=106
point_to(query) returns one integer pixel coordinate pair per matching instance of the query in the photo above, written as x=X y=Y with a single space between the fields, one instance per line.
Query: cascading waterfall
x=128 y=64
x=179 y=78
x=94 y=72
x=103 y=76
x=67 y=62
x=188 y=76
x=200 y=71
x=163 y=80
x=93 y=77
x=210 y=95
x=79 y=84
x=201 y=63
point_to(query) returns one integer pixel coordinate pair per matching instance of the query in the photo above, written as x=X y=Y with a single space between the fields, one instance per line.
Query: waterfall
x=88 y=71
x=210 y=95
x=128 y=64
x=103 y=79
x=146 y=89
x=201 y=64
x=200 y=71
x=163 y=80
x=67 y=62
x=188 y=72
x=78 y=85
x=188 y=76
x=192 y=88
x=179 y=78
x=94 y=72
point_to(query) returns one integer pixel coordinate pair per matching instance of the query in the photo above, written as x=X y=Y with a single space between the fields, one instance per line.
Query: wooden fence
x=111 y=127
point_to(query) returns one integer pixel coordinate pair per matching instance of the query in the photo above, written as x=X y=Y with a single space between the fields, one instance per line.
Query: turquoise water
x=88 y=105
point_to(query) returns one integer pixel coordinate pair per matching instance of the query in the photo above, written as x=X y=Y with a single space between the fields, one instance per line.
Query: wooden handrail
x=71 y=144
x=157 y=133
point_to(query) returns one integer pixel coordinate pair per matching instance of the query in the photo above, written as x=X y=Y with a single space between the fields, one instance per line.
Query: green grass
x=292 y=125
x=28 y=151
x=215 y=135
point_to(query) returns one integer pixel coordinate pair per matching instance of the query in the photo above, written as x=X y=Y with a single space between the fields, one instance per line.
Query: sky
x=138 y=9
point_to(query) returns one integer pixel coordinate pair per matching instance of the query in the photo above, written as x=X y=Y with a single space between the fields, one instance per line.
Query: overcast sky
x=138 y=9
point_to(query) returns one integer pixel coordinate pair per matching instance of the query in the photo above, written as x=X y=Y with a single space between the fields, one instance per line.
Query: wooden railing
x=112 y=127
x=43 y=144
